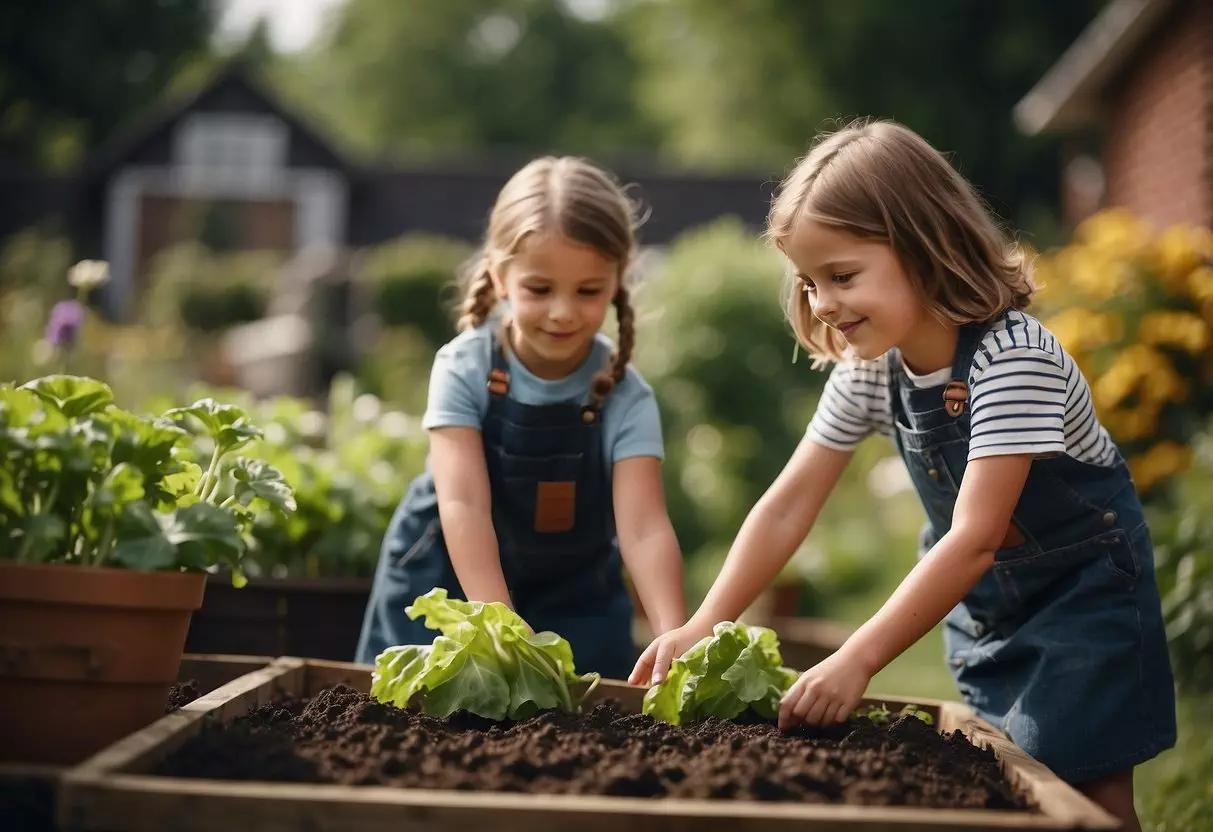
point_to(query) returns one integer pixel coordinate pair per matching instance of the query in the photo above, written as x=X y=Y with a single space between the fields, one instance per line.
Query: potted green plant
x=107 y=531
x=310 y=572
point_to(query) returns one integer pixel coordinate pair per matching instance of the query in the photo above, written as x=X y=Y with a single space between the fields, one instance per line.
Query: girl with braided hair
x=544 y=473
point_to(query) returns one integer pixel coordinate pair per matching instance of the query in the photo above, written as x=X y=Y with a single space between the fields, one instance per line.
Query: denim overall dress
x=1061 y=643
x=552 y=513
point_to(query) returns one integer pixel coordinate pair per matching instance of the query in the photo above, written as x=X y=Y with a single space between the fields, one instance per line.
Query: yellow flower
x=1133 y=424
x=1079 y=329
x=1091 y=272
x=1174 y=329
x=1068 y=326
x=1161 y=461
x=1116 y=232
x=1141 y=369
x=1200 y=284
x=1176 y=253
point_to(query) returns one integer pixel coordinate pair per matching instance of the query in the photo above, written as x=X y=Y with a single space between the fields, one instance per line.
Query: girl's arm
x=830 y=691
x=465 y=507
x=774 y=528
x=647 y=542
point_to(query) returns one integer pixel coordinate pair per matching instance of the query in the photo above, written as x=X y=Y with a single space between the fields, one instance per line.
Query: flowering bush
x=1134 y=306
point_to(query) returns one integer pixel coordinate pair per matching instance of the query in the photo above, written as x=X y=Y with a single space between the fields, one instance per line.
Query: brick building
x=1137 y=87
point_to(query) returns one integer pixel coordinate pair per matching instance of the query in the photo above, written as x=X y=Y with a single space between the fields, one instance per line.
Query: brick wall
x=1158 y=145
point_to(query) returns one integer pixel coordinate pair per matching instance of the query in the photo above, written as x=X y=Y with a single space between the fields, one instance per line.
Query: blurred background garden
x=275 y=198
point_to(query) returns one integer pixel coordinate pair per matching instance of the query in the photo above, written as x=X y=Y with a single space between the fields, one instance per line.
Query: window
x=231 y=148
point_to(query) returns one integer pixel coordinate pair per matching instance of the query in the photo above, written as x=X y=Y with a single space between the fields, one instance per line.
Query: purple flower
x=67 y=316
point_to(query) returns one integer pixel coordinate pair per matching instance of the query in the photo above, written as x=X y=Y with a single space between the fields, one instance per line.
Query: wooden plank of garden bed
x=110 y=793
x=213 y=670
x=136 y=752
x=1054 y=797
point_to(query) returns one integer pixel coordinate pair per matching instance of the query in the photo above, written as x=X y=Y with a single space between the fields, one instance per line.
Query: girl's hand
x=655 y=661
x=826 y=693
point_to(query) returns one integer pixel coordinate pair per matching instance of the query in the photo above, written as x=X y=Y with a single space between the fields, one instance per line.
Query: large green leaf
x=141 y=542
x=737 y=667
x=123 y=484
x=257 y=479
x=19 y=407
x=196 y=536
x=145 y=442
x=228 y=425
x=73 y=396
x=204 y=535
x=179 y=485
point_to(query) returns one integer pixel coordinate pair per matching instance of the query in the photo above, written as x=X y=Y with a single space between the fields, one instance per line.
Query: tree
x=427 y=78
x=74 y=74
x=738 y=84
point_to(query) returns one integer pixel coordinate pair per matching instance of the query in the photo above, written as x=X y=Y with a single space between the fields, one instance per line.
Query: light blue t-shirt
x=459 y=396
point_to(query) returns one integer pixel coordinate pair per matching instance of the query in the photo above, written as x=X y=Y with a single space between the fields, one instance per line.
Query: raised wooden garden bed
x=119 y=789
x=27 y=790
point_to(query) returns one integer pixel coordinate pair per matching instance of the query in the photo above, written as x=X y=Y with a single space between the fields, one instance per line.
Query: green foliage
x=35 y=261
x=348 y=468
x=85 y=482
x=736 y=668
x=486 y=661
x=881 y=715
x=750 y=84
x=73 y=81
x=413 y=284
x=1173 y=790
x=713 y=343
x=413 y=278
x=1182 y=531
x=498 y=73
x=207 y=293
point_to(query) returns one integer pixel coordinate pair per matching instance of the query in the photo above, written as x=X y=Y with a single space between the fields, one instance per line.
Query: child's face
x=559 y=291
x=856 y=286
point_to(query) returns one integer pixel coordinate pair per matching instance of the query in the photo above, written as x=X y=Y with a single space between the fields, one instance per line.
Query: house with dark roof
x=1140 y=80
x=233 y=168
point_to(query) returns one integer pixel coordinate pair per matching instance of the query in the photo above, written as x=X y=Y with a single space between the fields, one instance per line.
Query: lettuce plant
x=85 y=482
x=735 y=668
x=485 y=661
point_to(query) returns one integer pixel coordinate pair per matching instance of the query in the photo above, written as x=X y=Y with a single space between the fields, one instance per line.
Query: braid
x=478 y=302
x=605 y=380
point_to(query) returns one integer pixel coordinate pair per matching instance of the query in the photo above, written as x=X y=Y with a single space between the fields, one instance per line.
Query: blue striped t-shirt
x=1026 y=394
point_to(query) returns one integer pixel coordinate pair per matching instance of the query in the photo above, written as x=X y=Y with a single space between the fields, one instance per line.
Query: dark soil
x=342 y=736
x=181 y=694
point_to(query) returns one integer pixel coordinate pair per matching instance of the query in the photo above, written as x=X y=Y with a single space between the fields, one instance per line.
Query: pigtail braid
x=605 y=380
x=478 y=301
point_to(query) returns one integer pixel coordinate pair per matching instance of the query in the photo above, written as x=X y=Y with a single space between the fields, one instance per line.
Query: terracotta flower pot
x=87 y=655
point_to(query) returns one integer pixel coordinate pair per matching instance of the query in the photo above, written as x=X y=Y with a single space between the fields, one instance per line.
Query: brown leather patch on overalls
x=555 y=506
